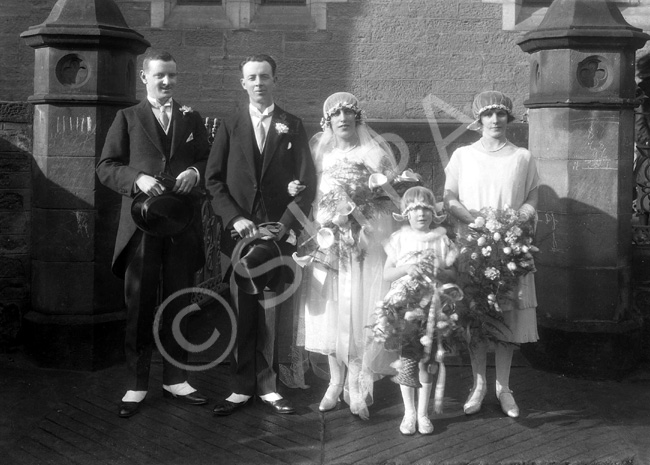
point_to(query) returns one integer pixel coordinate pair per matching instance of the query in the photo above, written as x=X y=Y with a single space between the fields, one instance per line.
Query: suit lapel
x=272 y=138
x=179 y=127
x=149 y=122
x=243 y=132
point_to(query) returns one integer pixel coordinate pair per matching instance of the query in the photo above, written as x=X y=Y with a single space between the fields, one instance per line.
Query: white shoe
x=331 y=397
x=474 y=401
x=407 y=427
x=508 y=404
x=424 y=425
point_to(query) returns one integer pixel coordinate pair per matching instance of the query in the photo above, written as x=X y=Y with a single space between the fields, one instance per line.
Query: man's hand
x=149 y=185
x=281 y=232
x=245 y=227
x=185 y=181
x=295 y=188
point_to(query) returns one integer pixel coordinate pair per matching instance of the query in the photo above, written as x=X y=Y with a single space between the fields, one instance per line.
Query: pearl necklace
x=495 y=150
x=349 y=149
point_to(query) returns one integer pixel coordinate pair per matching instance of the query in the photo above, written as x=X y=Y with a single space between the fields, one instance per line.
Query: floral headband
x=358 y=114
x=437 y=217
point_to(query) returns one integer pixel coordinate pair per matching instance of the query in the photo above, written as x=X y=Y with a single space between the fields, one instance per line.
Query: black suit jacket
x=133 y=146
x=237 y=188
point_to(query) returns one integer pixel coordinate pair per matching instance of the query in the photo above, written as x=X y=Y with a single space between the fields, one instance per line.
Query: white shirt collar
x=257 y=114
x=154 y=103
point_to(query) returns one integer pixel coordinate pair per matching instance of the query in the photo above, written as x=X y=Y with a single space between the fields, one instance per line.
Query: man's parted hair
x=153 y=54
x=261 y=57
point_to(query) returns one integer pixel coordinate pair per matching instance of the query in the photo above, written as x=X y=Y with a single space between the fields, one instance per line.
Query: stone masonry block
x=570 y=240
x=14 y=266
x=65 y=288
x=15 y=162
x=66 y=172
x=465 y=25
x=203 y=38
x=240 y=44
x=570 y=294
x=389 y=32
x=387 y=89
x=13 y=289
x=314 y=37
x=14 y=244
x=14 y=200
x=63 y=235
x=16 y=138
x=480 y=10
x=308 y=50
x=17 y=112
x=15 y=222
x=14 y=180
x=163 y=39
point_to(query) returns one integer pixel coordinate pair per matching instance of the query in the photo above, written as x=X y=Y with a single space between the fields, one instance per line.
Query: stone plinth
x=582 y=134
x=85 y=70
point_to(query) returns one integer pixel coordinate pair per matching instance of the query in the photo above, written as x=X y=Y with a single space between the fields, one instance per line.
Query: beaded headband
x=495 y=106
x=358 y=114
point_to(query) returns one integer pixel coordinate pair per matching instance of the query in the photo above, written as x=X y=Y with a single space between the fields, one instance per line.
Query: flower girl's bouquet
x=419 y=308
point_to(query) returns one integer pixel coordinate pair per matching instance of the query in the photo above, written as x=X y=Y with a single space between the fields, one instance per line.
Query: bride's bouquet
x=345 y=213
x=495 y=252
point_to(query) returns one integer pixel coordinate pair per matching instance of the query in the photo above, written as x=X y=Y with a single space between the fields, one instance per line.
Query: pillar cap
x=84 y=23
x=583 y=24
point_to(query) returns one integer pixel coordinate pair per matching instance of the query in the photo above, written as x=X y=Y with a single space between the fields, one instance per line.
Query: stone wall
x=15 y=217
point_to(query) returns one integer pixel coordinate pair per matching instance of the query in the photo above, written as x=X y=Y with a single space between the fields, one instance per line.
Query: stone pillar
x=85 y=70
x=582 y=92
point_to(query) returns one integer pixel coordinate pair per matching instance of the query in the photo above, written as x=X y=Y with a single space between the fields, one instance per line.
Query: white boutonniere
x=185 y=109
x=281 y=128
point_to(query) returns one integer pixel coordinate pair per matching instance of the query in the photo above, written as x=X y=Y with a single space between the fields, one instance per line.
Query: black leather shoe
x=282 y=406
x=225 y=407
x=195 y=398
x=128 y=409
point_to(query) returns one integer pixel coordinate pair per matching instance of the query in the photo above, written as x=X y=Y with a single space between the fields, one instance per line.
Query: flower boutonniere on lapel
x=281 y=128
x=185 y=109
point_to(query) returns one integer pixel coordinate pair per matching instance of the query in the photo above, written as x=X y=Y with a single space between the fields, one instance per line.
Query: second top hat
x=163 y=215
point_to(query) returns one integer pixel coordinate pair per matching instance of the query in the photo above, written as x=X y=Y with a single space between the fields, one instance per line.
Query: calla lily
x=340 y=220
x=377 y=180
x=408 y=175
x=325 y=238
x=345 y=208
x=302 y=261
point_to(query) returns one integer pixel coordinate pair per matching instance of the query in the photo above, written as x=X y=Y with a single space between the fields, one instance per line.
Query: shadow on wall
x=15 y=219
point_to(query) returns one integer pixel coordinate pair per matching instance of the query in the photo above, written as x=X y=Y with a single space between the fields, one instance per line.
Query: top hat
x=163 y=215
x=256 y=269
x=254 y=272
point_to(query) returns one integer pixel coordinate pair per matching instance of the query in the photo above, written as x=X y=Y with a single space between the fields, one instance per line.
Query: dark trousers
x=154 y=261
x=251 y=361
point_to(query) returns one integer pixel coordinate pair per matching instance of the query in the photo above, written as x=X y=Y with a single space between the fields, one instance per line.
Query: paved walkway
x=63 y=417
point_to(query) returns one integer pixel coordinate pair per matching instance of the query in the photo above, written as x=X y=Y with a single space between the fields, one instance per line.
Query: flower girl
x=419 y=259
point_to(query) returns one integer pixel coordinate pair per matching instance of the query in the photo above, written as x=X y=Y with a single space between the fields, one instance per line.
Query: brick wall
x=15 y=218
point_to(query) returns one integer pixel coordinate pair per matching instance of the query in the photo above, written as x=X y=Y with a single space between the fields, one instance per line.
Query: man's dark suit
x=136 y=143
x=245 y=183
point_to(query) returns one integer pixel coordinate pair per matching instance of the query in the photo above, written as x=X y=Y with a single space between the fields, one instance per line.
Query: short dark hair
x=259 y=57
x=153 y=54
